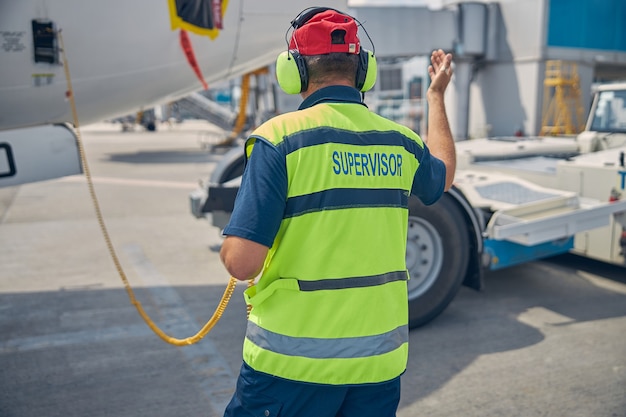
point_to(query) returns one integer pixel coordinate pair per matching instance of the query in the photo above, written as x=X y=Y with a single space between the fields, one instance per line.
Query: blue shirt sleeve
x=261 y=199
x=430 y=178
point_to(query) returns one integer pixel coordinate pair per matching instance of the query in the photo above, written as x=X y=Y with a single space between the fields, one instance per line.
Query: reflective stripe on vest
x=336 y=284
x=254 y=299
x=316 y=348
x=341 y=198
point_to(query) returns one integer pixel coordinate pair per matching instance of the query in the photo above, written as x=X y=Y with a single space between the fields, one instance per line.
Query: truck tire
x=230 y=166
x=437 y=257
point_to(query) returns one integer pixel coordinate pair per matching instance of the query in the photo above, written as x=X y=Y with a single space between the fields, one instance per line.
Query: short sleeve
x=430 y=179
x=260 y=201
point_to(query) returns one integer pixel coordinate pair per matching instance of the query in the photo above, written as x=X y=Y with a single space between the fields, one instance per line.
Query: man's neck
x=313 y=87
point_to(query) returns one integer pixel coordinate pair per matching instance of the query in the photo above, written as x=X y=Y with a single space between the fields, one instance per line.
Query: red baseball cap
x=314 y=37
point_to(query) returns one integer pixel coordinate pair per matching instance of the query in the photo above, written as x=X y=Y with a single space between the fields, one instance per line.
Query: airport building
x=513 y=58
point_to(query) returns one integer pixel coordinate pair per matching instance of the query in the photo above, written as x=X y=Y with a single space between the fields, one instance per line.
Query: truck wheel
x=437 y=257
x=231 y=166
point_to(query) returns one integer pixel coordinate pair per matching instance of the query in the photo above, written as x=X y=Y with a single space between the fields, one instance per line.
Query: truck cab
x=606 y=124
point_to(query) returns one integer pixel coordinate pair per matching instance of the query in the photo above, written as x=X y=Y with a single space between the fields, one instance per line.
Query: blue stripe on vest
x=341 y=198
x=354 y=282
x=323 y=135
x=335 y=348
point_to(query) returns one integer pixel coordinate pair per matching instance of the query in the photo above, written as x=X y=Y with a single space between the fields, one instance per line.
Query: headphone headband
x=307 y=14
x=291 y=68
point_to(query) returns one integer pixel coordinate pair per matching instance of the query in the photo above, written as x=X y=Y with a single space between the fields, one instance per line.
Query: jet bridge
x=205 y=108
x=469 y=30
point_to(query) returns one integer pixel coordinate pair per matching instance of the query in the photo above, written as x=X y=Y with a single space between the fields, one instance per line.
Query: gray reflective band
x=356 y=282
x=309 y=347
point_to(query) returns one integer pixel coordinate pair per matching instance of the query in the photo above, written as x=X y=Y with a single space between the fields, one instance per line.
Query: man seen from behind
x=322 y=215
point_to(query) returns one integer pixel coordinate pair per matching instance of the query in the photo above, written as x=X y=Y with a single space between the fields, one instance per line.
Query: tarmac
x=546 y=338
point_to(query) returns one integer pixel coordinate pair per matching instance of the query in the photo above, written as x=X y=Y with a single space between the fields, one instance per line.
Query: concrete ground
x=543 y=339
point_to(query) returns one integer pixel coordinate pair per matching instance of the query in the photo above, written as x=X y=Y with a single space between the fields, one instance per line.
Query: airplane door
x=38 y=153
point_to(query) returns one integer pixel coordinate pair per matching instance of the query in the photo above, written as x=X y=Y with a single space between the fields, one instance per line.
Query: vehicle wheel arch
x=442 y=254
x=474 y=278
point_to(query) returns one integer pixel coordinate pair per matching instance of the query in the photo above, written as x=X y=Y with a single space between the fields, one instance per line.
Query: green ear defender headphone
x=291 y=70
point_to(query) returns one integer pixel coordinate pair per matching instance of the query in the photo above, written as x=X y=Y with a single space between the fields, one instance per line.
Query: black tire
x=437 y=257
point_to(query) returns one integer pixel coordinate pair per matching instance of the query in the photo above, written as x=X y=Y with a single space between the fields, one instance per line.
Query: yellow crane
x=563 y=112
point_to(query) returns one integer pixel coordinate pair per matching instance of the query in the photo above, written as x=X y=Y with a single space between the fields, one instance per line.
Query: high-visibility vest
x=331 y=304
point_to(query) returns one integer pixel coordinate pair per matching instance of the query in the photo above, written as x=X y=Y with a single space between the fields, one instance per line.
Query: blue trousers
x=262 y=395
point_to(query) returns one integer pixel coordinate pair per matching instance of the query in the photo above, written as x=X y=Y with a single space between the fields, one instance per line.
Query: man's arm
x=440 y=141
x=257 y=214
x=242 y=258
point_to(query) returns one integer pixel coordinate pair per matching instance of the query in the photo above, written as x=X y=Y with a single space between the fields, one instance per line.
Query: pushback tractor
x=514 y=200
